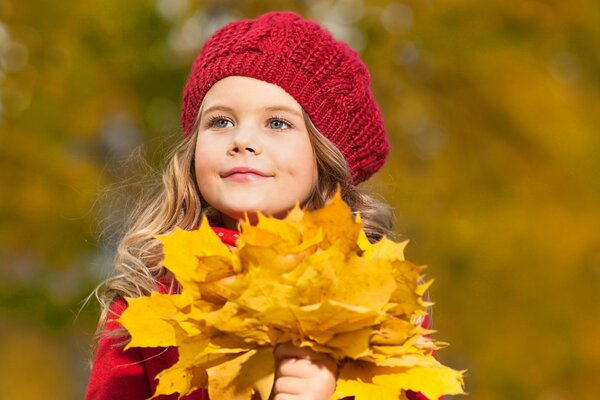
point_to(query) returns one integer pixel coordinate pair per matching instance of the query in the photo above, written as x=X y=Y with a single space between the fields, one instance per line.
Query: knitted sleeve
x=117 y=374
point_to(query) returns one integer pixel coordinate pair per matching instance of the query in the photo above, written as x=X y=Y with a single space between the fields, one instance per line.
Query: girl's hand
x=303 y=374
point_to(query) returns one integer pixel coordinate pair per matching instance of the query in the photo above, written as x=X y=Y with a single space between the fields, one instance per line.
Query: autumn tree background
x=493 y=109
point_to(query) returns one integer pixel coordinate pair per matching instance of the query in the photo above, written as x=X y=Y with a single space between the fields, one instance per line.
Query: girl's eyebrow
x=284 y=108
x=269 y=109
x=217 y=108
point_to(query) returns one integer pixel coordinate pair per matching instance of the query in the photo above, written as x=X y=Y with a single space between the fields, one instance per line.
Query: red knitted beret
x=326 y=77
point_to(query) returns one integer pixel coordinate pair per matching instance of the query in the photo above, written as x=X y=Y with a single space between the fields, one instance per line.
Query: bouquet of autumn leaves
x=312 y=279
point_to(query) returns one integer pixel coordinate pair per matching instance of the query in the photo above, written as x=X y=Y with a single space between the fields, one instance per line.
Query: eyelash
x=213 y=119
x=278 y=118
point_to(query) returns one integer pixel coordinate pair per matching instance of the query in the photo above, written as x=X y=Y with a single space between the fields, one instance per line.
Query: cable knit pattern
x=325 y=76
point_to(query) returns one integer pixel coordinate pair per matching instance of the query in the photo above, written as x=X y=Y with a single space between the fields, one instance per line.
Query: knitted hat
x=326 y=77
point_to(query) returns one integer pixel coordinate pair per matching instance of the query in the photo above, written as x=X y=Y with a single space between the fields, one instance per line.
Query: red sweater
x=130 y=374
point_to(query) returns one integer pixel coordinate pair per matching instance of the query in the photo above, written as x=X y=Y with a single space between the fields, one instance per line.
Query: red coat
x=130 y=374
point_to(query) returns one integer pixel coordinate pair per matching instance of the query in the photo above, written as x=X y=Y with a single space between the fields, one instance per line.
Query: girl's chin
x=251 y=214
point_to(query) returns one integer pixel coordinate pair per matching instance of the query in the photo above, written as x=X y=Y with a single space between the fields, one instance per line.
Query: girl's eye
x=279 y=124
x=218 y=122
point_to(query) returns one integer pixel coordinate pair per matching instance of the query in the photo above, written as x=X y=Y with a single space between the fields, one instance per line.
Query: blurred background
x=493 y=108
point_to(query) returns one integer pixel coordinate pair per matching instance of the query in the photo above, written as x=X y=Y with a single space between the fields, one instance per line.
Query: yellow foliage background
x=493 y=110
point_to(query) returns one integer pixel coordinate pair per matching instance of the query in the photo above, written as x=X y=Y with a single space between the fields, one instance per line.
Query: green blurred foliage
x=493 y=110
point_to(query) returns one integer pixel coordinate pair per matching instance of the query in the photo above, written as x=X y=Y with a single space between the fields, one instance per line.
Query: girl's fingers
x=303 y=373
x=296 y=367
x=322 y=388
x=290 y=385
x=303 y=377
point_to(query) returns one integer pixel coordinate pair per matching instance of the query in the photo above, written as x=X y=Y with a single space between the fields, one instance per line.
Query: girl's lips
x=245 y=177
x=245 y=174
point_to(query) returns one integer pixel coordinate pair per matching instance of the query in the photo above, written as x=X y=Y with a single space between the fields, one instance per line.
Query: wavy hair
x=176 y=202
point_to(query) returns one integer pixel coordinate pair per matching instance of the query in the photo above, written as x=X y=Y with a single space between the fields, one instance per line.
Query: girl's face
x=253 y=151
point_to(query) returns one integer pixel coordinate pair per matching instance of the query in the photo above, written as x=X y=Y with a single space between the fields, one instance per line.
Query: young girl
x=275 y=111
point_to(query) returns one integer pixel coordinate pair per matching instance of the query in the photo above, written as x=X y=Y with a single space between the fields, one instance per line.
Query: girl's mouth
x=245 y=177
x=245 y=174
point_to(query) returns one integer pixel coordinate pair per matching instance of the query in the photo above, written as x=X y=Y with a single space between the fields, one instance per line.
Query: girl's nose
x=245 y=141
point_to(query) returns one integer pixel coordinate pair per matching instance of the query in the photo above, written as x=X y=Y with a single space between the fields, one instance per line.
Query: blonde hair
x=176 y=202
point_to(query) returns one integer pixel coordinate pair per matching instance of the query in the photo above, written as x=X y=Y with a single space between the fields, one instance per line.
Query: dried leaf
x=151 y=320
x=366 y=381
x=241 y=377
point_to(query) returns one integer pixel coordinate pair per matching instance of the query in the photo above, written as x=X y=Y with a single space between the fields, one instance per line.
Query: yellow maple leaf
x=191 y=255
x=241 y=377
x=151 y=320
x=184 y=376
x=336 y=222
x=385 y=249
x=315 y=276
x=366 y=381
x=392 y=331
x=360 y=282
x=261 y=293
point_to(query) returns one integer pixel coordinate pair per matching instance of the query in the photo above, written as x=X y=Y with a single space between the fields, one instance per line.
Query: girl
x=275 y=111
